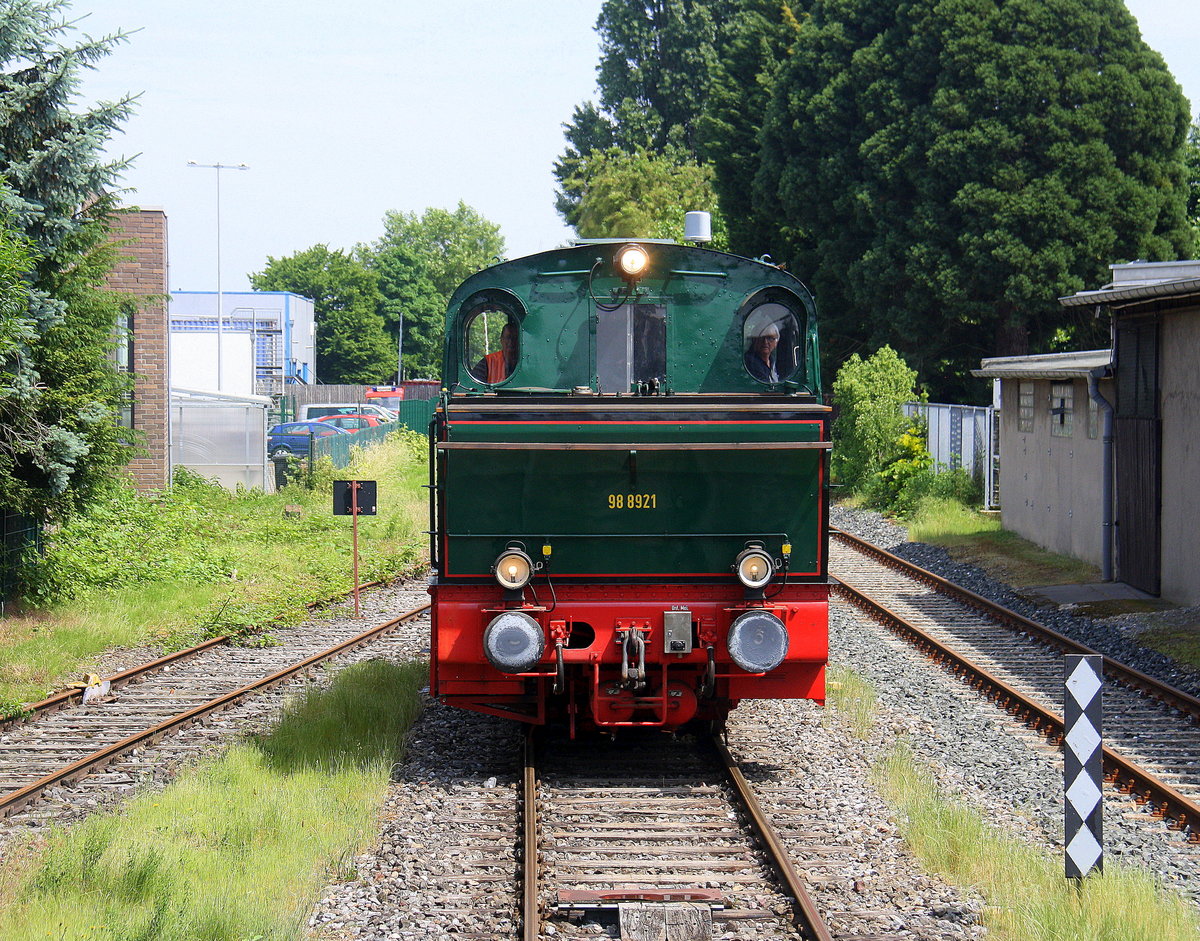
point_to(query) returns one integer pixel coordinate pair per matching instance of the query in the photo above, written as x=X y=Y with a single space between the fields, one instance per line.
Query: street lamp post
x=220 y=298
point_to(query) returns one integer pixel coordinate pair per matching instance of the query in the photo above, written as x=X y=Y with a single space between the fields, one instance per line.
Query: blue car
x=294 y=437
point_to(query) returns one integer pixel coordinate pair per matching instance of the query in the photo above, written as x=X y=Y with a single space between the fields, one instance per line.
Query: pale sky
x=344 y=110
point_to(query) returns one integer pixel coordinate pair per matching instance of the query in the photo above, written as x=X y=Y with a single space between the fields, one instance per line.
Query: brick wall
x=142 y=270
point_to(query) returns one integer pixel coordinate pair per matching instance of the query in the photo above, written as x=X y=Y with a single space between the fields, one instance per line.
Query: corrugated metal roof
x=1115 y=295
x=1078 y=365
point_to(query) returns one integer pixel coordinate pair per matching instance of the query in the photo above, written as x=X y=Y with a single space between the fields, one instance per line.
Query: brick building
x=142 y=271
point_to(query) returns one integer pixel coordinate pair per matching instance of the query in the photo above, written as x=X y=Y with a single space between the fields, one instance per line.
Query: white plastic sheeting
x=221 y=436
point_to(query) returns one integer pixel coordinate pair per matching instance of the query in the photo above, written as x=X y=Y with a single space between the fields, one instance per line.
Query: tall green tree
x=352 y=346
x=1192 y=165
x=944 y=169
x=58 y=197
x=419 y=261
x=755 y=41
x=642 y=195
x=657 y=59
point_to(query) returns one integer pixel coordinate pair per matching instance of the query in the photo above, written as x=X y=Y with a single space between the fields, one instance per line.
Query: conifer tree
x=58 y=195
x=657 y=60
x=943 y=170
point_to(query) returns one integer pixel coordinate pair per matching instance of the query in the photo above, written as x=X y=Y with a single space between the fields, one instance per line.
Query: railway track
x=1152 y=730
x=67 y=740
x=665 y=835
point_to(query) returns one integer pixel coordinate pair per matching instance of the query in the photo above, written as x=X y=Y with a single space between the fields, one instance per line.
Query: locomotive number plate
x=633 y=501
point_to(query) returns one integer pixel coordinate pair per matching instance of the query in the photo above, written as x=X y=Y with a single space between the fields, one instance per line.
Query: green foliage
x=904 y=473
x=657 y=59
x=61 y=387
x=944 y=171
x=641 y=195
x=129 y=538
x=420 y=260
x=755 y=41
x=869 y=395
x=1192 y=164
x=235 y=849
x=352 y=346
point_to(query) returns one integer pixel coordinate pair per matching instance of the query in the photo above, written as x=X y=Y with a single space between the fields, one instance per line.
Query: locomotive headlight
x=513 y=568
x=754 y=568
x=757 y=641
x=632 y=262
x=513 y=642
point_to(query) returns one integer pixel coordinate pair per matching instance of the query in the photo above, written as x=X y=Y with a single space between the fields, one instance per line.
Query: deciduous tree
x=420 y=260
x=657 y=59
x=352 y=346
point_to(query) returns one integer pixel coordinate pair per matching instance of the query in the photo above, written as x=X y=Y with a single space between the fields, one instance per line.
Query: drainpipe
x=1106 y=551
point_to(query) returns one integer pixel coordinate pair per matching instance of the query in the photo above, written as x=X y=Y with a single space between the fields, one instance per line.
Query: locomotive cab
x=628 y=469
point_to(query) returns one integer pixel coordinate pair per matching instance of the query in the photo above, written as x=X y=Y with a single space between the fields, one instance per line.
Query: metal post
x=218 y=167
x=354 y=485
x=1083 y=764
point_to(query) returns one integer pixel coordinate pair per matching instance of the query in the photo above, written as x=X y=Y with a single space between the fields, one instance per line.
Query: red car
x=351 y=422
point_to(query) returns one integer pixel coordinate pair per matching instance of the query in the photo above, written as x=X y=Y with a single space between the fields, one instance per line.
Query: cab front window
x=771 y=343
x=491 y=342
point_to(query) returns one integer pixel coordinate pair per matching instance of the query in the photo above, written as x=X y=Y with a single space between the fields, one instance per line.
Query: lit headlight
x=513 y=568
x=757 y=641
x=754 y=568
x=513 y=642
x=632 y=262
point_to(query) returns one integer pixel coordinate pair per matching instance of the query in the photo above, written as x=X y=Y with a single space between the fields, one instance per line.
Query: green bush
x=870 y=396
x=130 y=538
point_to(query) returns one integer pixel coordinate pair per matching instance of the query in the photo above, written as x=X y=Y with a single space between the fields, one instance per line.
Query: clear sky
x=344 y=110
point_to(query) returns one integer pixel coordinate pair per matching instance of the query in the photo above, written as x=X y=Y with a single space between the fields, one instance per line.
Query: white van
x=317 y=410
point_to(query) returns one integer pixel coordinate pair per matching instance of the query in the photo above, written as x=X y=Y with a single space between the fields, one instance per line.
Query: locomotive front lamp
x=754 y=568
x=632 y=262
x=513 y=569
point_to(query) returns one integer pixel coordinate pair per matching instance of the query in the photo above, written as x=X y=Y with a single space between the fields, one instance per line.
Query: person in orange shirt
x=499 y=365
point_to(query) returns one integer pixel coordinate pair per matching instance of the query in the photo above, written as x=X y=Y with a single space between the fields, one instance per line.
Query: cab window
x=771 y=342
x=491 y=342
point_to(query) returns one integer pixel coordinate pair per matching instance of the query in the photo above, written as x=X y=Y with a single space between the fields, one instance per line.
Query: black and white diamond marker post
x=1083 y=760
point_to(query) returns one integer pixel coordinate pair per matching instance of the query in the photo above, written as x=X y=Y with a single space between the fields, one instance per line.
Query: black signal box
x=343 y=501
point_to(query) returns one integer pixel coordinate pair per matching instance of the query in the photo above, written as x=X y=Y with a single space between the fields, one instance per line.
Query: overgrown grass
x=1027 y=897
x=976 y=538
x=1026 y=894
x=237 y=849
x=170 y=569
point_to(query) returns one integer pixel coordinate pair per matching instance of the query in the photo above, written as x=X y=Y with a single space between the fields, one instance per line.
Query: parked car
x=320 y=410
x=294 y=437
x=352 y=422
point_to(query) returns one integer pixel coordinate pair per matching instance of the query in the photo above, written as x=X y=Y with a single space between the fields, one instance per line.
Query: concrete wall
x=1050 y=487
x=1179 y=380
x=142 y=270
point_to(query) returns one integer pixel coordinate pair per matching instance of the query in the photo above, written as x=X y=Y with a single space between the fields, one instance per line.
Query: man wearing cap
x=760 y=358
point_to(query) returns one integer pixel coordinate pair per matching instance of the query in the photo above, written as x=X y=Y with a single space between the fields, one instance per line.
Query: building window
x=1062 y=408
x=124 y=357
x=1025 y=407
x=1093 y=418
